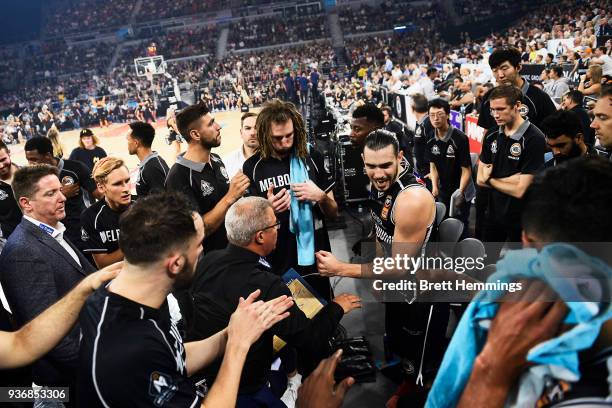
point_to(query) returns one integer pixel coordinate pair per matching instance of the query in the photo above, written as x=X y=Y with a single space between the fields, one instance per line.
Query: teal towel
x=300 y=217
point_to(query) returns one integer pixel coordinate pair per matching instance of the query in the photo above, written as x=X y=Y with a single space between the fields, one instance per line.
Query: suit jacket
x=35 y=272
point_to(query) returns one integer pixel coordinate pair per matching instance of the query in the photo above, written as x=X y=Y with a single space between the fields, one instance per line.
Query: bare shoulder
x=415 y=203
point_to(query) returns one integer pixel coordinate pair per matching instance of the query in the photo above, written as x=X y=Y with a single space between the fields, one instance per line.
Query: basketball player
x=174 y=138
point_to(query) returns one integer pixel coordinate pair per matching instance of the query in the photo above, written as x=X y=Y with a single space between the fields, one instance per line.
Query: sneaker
x=291 y=393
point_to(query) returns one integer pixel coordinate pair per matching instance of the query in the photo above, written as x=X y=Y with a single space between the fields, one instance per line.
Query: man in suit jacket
x=38 y=266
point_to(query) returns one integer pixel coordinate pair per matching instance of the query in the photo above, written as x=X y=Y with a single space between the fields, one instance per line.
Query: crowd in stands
x=157 y=10
x=81 y=16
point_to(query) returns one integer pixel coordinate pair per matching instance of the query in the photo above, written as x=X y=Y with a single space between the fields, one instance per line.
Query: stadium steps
x=337 y=38
x=222 y=43
x=135 y=11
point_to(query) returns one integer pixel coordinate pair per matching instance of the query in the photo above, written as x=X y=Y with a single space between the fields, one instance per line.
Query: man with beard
x=234 y=160
x=564 y=138
x=152 y=170
x=132 y=353
x=403 y=212
x=100 y=222
x=292 y=176
x=602 y=123
x=10 y=214
x=202 y=176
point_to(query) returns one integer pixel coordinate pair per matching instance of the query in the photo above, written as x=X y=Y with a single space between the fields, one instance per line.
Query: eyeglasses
x=440 y=115
x=275 y=225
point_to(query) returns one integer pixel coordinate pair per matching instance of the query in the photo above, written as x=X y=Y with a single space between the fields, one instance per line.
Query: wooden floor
x=113 y=140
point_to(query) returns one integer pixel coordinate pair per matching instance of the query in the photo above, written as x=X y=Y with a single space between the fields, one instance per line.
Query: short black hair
x=501 y=55
x=440 y=104
x=380 y=138
x=563 y=200
x=39 y=143
x=551 y=56
x=431 y=70
x=144 y=132
x=558 y=70
x=371 y=112
x=188 y=116
x=606 y=91
x=561 y=122
x=603 y=49
x=576 y=96
x=3 y=146
x=154 y=225
x=26 y=179
x=419 y=103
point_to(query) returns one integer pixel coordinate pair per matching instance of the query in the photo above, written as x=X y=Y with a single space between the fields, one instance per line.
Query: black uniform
x=71 y=172
x=100 y=229
x=10 y=213
x=522 y=152
x=88 y=157
x=274 y=172
x=536 y=105
x=423 y=132
x=173 y=136
x=404 y=136
x=131 y=356
x=225 y=276
x=152 y=173
x=408 y=321
x=450 y=154
x=204 y=185
x=591 y=152
x=588 y=133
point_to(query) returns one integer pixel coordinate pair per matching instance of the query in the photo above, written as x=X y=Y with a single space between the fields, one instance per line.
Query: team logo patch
x=84 y=235
x=398 y=105
x=384 y=214
x=524 y=110
x=67 y=180
x=207 y=188
x=494 y=147
x=3 y=195
x=435 y=150
x=516 y=149
x=224 y=172
x=161 y=388
x=450 y=152
x=418 y=132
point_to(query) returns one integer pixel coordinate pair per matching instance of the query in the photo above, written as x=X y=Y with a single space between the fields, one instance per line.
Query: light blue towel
x=584 y=282
x=300 y=219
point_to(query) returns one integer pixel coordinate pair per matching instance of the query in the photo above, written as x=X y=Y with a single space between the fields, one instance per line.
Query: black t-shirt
x=205 y=185
x=536 y=106
x=10 y=213
x=225 y=276
x=523 y=152
x=423 y=132
x=404 y=136
x=449 y=155
x=100 y=229
x=71 y=172
x=152 y=173
x=131 y=356
x=274 y=172
x=88 y=157
x=588 y=133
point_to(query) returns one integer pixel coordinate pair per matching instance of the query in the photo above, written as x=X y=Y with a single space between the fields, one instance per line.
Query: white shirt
x=58 y=234
x=607 y=64
x=233 y=161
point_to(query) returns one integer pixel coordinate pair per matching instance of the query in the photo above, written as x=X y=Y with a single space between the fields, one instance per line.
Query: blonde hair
x=278 y=111
x=596 y=72
x=54 y=136
x=104 y=167
x=93 y=137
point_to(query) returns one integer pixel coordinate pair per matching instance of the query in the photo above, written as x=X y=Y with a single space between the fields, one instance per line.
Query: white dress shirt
x=57 y=234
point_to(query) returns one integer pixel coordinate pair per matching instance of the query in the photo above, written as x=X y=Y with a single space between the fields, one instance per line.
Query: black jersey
x=100 y=229
x=88 y=157
x=72 y=172
x=264 y=173
x=449 y=155
x=522 y=152
x=205 y=184
x=382 y=208
x=10 y=213
x=536 y=105
x=131 y=355
x=423 y=132
x=152 y=173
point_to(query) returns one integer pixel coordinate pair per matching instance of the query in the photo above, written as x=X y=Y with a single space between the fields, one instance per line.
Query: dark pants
x=264 y=398
x=495 y=234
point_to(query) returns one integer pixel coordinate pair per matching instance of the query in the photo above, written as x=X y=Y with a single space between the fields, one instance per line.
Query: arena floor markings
x=112 y=139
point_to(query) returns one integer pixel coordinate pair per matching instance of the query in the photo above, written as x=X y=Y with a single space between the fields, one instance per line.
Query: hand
x=96 y=279
x=327 y=263
x=487 y=170
x=348 y=302
x=252 y=318
x=307 y=191
x=320 y=389
x=238 y=186
x=524 y=319
x=280 y=201
x=70 y=190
